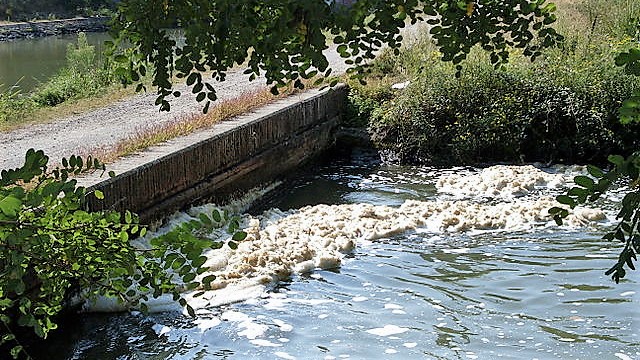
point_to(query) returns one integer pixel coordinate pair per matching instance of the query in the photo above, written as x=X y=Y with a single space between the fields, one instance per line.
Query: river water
x=29 y=62
x=518 y=288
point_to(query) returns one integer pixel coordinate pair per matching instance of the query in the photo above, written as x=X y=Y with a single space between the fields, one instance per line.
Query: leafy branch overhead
x=285 y=40
x=591 y=188
x=630 y=60
x=53 y=249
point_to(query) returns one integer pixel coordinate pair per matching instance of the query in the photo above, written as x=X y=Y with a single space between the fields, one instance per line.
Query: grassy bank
x=561 y=108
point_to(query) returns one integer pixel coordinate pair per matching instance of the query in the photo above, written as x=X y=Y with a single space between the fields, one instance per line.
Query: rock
x=30 y=30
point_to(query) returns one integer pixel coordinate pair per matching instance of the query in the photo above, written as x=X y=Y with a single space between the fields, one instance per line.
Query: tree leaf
x=10 y=205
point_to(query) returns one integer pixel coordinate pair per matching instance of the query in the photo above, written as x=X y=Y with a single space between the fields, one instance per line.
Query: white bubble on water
x=160 y=329
x=388 y=330
x=284 y=355
x=622 y=356
x=282 y=325
x=205 y=324
x=264 y=343
x=393 y=306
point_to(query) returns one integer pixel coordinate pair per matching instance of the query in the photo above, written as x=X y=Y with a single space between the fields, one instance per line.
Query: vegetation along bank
x=31 y=10
x=562 y=107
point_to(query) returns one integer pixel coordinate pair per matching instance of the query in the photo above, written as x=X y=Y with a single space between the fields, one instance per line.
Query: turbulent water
x=366 y=261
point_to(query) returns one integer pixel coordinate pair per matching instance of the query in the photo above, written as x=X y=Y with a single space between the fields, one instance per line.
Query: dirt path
x=108 y=126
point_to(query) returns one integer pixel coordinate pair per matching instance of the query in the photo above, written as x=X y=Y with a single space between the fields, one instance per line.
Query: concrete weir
x=230 y=157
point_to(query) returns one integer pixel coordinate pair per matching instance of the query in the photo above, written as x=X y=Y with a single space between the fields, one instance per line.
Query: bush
x=563 y=107
x=363 y=103
x=13 y=105
x=510 y=115
x=82 y=77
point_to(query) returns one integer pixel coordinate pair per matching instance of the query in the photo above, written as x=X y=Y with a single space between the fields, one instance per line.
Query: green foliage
x=82 y=77
x=14 y=105
x=52 y=247
x=25 y=10
x=551 y=110
x=630 y=60
x=364 y=102
x=285 y=40
x=591 y=188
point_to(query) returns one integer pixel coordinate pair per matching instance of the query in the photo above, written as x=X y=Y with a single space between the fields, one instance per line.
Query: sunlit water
x=418 y=295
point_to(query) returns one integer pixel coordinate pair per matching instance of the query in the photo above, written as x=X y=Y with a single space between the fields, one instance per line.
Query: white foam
x=622 y=356
x=282 y=325
x=205 y=324
x=160 y=329
x=280 y=244
x=284 y=355
x=500 y=181
x=264 y=343
x=392 y=306
x=388 y=330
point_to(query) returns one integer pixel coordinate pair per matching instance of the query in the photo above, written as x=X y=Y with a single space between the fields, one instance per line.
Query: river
x=27 y=63
x=453 y=286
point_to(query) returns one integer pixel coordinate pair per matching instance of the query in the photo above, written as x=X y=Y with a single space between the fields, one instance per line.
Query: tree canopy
x=284 y=40
x=22 y=10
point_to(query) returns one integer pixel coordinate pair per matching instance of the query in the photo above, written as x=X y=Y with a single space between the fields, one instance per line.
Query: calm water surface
x=27 y=63
x=528 y=295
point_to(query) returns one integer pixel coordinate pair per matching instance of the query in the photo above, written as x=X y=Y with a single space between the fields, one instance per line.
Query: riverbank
x=36 y=29
x=564 y=107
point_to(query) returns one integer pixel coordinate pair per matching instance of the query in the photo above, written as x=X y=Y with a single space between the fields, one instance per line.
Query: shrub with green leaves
x=82 y=77
x=13 y=104
x=591 y=188
x=52 y=247
x=364 y=102
x=551 y=110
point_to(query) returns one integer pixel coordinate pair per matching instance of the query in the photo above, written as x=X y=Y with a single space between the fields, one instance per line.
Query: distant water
x=29 y=62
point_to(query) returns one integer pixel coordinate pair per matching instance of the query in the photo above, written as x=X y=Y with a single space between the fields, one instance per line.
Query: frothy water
x=366 y=261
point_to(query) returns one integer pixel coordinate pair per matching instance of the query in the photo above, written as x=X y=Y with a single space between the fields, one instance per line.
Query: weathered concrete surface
x=27 y=30
x=230 y=157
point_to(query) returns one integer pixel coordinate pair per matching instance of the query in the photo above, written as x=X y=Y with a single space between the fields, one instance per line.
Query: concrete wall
x=231 y=157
